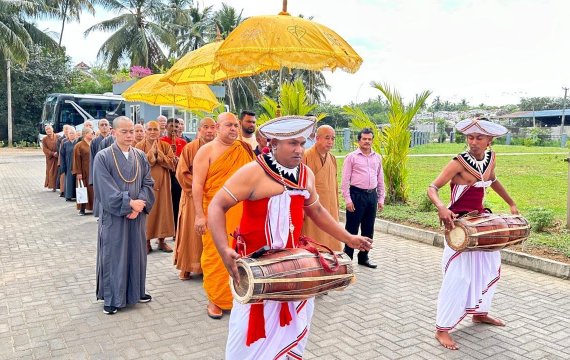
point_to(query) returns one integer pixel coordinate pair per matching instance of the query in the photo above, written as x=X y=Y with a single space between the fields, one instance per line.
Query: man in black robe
x=123 y=186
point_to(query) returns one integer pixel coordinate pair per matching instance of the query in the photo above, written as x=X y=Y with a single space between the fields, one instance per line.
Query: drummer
x=469 y=278
x=276 y=186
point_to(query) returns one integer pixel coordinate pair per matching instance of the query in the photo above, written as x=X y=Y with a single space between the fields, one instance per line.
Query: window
x=167 y=111
x=135 y=113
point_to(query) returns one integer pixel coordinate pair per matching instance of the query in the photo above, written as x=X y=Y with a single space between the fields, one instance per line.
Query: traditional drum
x=487 y=232
x=291 y=275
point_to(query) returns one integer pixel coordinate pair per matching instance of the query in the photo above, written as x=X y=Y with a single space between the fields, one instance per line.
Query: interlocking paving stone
x=48 y=307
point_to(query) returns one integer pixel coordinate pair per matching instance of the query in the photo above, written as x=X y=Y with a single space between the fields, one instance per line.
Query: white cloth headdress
x=479 y=126
x=288 y=127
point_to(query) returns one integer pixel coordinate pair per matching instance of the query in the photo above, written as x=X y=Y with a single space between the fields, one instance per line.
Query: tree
x=393 y=141
x=137 y=35
x=195 y=33
x=70 y=10
x=18 y=33
x=225 y=20
x=293 y=101
x=45 y=73
x=541 y=103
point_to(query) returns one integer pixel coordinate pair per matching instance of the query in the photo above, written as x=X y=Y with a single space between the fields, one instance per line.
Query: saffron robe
x=327 y=187
x=121 y=247
x=188 y=245
x=160 y=222
x=67 y=168
x=49 y=147
x=81 y=166
x=93 y=150
x=216 y=277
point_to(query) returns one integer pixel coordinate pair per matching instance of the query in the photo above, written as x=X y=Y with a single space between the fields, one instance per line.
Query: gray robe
x=106 y=142
x=67 y=168
x=57 y=143
x=93 y=150
x=121 y=248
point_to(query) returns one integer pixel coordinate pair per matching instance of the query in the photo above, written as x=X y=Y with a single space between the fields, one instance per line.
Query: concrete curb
x=522 y=260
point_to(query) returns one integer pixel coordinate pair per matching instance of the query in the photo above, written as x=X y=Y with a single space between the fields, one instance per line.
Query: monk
x=214 y=163
x=61 y=176
x=323 y=164
x=124 y=189
x=160 y=222
x=104 y=131
x=67 y=164
x=261 y=143
x=188 y=245
x=49 y=146
x=139 y=133
x=81 y=167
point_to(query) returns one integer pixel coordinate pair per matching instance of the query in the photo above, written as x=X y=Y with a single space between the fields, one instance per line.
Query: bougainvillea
x=140 y=72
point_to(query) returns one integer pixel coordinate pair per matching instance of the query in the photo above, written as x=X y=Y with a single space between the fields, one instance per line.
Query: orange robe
x=326 y=185
x=160 y=220
x=81 y=152
x=49 y=147
x=188 y=245
x=216 y=277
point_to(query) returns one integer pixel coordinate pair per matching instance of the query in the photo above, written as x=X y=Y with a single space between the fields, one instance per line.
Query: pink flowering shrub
x=140 y=72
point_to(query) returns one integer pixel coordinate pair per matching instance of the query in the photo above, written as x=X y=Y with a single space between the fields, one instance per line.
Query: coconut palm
x=393 y=141
x=225 y=20
x=18 y=32
x=137 y=35
x=189 y=24
x=70 y=10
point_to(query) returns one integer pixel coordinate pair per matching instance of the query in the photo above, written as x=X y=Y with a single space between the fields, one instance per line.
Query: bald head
x=88 y=124
x=104 y=127
x=162 y=121
x=325 y=139
x=121 y=121
x=124 y=132
x=227 y=127
x=86 y=130
x=207 y=129
x=151 y=124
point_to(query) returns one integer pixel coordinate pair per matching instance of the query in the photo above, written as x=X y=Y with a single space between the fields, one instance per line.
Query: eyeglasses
x=103 y=124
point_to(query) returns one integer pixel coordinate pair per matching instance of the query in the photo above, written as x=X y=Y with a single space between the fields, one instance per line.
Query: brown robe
x=188 y=245
x=326 y=185
x=81 y=152
x=160 y=220
x=49 y=147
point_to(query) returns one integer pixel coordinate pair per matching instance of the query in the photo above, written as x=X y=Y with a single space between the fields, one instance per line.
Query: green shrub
x=1 y=144
x=459 y=138
x=528 y=142
x=540 y=218
x=424 y=204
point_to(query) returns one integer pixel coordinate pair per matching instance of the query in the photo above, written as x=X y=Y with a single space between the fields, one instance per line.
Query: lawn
x=532 y=180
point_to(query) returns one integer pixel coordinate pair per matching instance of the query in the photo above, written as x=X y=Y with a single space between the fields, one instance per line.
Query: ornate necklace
x=119 y=170
x=291 y=226
x=294 y=172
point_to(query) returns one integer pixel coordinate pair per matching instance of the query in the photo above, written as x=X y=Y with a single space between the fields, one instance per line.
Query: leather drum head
x=457 y=238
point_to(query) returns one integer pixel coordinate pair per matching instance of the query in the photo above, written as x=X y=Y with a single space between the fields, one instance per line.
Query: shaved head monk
x=214 y=163
x=49 y=146
x=323 y=164
x=188 y=245
x=160 y=221
x=139 y=133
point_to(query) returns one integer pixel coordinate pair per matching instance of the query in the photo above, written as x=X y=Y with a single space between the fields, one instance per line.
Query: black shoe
x=61 y=195
x=367 y=263
x=68 y=199
x=81 y=213
x=109 y=310
x=146 y=298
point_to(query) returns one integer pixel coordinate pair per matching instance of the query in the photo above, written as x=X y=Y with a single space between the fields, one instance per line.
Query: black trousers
x=363 y=217
x=176 y=191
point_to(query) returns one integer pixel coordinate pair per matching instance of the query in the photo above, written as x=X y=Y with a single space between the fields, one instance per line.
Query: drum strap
x=304 y=244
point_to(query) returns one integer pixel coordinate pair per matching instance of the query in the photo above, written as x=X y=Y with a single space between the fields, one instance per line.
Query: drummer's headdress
x=481 y=126
x=288 y=127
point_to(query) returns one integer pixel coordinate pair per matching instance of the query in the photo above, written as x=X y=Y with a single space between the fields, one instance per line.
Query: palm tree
x=393 y=141
x=225 y=20
x=70 y=10
x=18 y=32
x=137 y=35
x=189 y=25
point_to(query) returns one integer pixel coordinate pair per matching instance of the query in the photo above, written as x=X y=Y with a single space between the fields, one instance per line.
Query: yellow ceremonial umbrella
x=152 y=91
x=276 y=41
x=196 y=68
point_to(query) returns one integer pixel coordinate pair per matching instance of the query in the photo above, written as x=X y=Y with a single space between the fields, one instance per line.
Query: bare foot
x=184 y=275
x=445 y=340
x=214 y=311
x=487 y=320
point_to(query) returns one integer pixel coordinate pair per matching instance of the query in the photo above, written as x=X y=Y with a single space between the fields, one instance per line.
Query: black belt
x=368 y=191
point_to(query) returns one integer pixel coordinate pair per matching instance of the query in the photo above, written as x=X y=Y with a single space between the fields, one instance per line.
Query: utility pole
x=8 y=81
x=563 y=110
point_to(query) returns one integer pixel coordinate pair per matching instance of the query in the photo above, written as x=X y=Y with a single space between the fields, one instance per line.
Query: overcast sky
x=490 y=51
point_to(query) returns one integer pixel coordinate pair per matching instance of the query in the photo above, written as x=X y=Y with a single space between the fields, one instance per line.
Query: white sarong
x=468 y=285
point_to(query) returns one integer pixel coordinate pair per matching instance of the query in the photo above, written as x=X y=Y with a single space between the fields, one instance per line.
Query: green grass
x=452 y=148
x=531 y=180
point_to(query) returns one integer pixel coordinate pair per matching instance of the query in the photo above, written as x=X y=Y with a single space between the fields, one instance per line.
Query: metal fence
x=347 y=139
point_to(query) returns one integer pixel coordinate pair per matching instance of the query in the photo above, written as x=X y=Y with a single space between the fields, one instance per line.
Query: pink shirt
x=364 y=172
